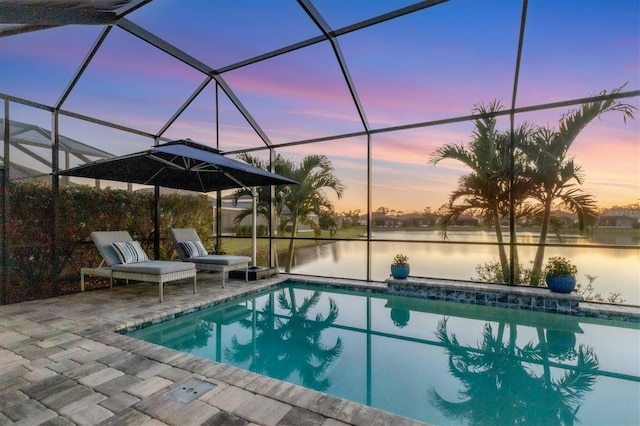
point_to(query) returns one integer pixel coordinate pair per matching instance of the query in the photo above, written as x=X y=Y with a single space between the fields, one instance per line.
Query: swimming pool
x=434 y=361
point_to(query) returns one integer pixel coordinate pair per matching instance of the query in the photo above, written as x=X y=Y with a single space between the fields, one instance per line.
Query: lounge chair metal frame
x=155 y=271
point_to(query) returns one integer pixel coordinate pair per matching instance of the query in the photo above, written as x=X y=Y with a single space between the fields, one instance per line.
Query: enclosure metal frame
x=216 y=76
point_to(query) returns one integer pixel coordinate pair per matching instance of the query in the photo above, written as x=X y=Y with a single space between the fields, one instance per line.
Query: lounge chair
x=126 y=260
x=190 y=249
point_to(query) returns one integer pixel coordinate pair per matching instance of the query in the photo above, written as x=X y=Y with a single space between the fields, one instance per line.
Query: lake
x=617 y=269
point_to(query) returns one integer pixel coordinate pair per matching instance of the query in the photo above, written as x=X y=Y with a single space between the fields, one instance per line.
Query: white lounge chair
x=133 y=263
x=190 y=249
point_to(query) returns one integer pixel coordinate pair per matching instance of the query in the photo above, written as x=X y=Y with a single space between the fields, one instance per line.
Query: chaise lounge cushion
x=130 y=252
x=104 y=240
x=183 y=238
x=156 y=271
x=179 y=236
x=220 y=260
x=193 y=248
x=155 y=267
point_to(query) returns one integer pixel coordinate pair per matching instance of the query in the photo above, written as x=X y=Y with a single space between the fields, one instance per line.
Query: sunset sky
x=430 y=65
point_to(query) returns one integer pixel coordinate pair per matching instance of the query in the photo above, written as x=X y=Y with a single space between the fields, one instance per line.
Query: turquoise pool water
x=437 y=362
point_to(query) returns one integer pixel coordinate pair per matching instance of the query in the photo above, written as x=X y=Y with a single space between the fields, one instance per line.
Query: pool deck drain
x=189 y=391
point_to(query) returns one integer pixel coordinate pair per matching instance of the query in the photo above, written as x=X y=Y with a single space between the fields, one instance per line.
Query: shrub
x=246 y=230
x=45 y=257
x=400 y=259
x=559 y=266
x=492 y=272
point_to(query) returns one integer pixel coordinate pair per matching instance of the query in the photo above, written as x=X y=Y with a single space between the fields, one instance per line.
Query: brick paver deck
x=63 y=363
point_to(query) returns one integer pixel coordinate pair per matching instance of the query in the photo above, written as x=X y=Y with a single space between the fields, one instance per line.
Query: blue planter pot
x=400 y=272
x=561 y=284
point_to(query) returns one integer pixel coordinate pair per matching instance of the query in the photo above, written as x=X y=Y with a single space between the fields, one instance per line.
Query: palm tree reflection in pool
x=499 y=389
x=199 y=338
x=283 y=344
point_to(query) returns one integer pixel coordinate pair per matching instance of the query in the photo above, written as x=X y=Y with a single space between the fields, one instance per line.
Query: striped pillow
x=130 y=252
x=193 y=248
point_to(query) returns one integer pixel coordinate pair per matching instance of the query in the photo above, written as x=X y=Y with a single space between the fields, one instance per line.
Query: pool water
x=437 y=362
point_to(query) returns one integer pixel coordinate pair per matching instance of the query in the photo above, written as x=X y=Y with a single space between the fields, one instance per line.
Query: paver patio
x=62 y=362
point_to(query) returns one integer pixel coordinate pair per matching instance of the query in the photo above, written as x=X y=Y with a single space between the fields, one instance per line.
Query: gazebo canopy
x=182 y=164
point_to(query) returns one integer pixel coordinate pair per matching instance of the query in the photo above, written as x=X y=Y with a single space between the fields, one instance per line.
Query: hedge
x=33 y=271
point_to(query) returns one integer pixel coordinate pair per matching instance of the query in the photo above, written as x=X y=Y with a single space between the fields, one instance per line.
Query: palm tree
x=485 y=190
x=314 y=175
x=263 y=191
x=554 y=176
x=352 y=216
x=263 y=207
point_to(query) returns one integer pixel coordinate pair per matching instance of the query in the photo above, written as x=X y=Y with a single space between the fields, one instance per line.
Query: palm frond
x=572 y=123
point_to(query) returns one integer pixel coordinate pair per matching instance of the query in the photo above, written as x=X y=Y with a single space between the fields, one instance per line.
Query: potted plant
x=400 y=267
x=560 y=275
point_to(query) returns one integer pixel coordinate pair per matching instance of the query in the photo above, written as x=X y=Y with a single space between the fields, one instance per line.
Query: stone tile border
x=514 y=297
x=203 y=303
